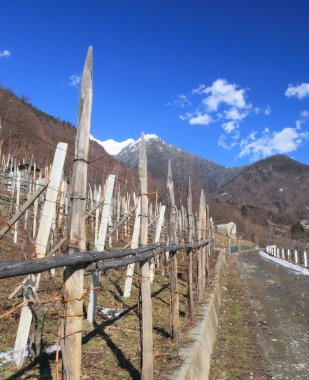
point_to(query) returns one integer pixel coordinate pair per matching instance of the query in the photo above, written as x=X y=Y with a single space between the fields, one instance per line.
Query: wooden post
x=203 y=250
x=190 y=240
x=100 y=244
x=134 y=244
x=41 y=247
x=199 y=251
x=157 y=240
x=74 y=279
x=17 y=204
x=147 y=339
x=173 y=258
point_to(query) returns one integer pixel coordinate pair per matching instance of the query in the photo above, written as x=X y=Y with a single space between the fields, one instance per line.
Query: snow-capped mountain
x=111 y=146
x=203 y=172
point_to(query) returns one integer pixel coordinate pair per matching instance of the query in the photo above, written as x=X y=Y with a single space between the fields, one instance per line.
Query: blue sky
x=227 y=80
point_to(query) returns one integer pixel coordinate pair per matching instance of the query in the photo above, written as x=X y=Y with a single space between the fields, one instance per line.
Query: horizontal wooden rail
x=91 y=260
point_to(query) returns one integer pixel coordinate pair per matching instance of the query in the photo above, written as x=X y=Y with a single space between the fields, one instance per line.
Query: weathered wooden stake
x=190 y=234
x=199 y=251
x=147 y=339
x=74 y=279
x=100 y=244
x=134 y=244
x=172 y=240
x=157 y=240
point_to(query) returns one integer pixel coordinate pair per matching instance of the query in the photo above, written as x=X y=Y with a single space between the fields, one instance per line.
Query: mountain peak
x=114 y=147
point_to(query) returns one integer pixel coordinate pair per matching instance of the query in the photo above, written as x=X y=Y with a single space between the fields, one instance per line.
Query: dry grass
x=110 y=347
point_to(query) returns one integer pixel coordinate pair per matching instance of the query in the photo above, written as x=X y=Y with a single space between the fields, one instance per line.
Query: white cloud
x=267 y=110
x=304 y=114
x=204 y=119
x=303 y=118
x=222 y=92
x=300 y=91
x=230 y=126
x=234 y=114
x=5 y=53
x=75 y=80
x=222 y=142
x=285 y=141
x=182 y=101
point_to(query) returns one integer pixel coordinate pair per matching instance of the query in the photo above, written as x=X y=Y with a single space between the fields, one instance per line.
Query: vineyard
x=97 y=281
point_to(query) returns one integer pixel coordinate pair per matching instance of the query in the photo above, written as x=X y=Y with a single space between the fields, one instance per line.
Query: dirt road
x=264 y=323
x=279 y=299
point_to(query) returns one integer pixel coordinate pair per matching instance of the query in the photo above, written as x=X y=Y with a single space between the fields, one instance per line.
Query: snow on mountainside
x=111 y=146
x=206 y=174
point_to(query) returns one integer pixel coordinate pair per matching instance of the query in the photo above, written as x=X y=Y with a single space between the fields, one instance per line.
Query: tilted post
x=74 y=279
x=157 y=240
x=173 y=259
x=134 y=244
x=190 y=240
x=40 y=247
x=199 y=251
x=147 y=339
x=203 y=249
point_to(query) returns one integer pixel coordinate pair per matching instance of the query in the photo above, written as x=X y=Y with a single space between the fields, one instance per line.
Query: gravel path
x=279 y=301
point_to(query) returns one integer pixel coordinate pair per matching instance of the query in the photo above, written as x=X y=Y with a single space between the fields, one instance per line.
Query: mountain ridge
x=263 y=198
x=160 y=152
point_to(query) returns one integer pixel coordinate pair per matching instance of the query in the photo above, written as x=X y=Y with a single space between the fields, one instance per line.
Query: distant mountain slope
x=264 y=198
x=271 y=192
x=204 y=173
x=31 y=132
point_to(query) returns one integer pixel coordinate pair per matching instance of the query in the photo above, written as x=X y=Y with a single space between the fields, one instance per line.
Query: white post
x=97 y=215
x=17 y=205
x=296 y=256
x=134 y=244
x=288 y=253
x=157 y=240
x=305 y=259
x=100 y=244
x=41 y=246
x=283 y=253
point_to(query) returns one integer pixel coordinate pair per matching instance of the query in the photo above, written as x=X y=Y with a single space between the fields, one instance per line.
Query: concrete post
x=305 y=259
x=282 y=253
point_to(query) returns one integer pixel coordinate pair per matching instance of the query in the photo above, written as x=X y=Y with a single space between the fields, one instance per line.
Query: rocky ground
x=263 y=326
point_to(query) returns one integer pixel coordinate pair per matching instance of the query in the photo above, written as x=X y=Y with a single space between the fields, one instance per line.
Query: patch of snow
x=223 y=194
x=115 y=147
x=111 y=146
x=6 y=357
x=150 y=136
x=110 y=312
x=286 y=264
x=51 y=349
x=281 y=189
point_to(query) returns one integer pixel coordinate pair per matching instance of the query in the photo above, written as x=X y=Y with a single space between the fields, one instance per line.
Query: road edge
x=196 y=357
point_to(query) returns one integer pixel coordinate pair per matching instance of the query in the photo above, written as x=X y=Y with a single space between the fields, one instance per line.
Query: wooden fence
x=68 y=223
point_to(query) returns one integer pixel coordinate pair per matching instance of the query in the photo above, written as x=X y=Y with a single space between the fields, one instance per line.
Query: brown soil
x=110 y=347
